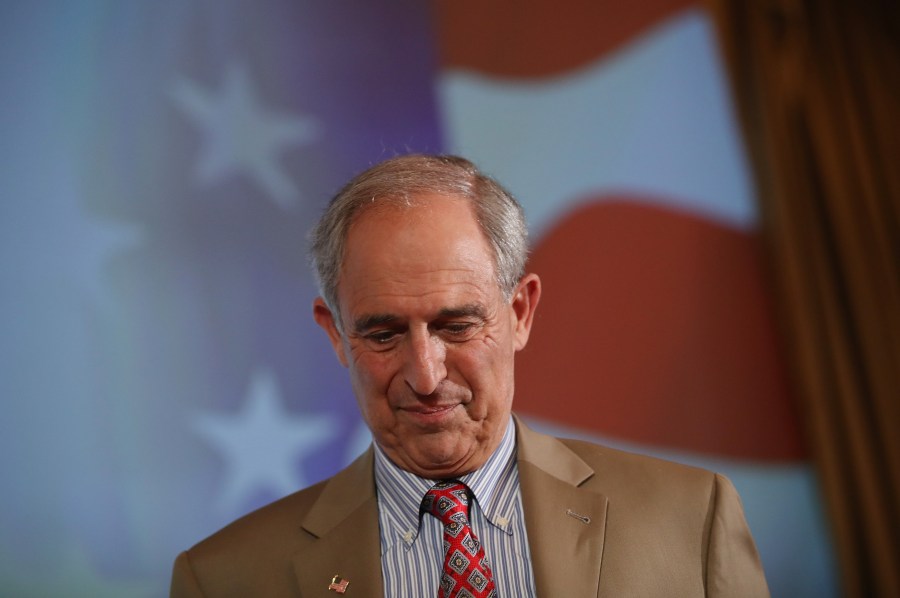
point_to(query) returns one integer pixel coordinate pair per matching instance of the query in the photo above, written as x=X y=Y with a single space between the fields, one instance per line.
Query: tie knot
x=449 y=502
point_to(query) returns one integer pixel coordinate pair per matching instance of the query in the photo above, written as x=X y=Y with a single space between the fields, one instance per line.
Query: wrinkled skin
x=427 y=337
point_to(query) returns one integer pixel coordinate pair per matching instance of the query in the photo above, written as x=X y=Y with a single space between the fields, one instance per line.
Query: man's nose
x=424 y=367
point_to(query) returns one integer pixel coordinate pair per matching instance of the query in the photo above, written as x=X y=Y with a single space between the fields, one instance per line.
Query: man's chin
x=441 y=458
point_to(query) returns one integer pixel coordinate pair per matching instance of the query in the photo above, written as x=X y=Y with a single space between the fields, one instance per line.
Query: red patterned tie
x=466 y=571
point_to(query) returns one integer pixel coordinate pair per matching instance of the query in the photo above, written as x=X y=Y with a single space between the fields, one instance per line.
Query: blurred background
x=161 y=163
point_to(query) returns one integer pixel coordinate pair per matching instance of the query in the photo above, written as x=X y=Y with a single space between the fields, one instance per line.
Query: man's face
x=427 y=336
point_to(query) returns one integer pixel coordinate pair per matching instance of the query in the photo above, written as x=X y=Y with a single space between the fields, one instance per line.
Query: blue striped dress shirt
x=412 y=553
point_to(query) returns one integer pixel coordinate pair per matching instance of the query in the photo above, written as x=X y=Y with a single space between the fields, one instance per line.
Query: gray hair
x=398 y=181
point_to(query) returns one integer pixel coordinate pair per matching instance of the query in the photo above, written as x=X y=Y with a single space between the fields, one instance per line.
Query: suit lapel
x=344 y=520
x=566 y=524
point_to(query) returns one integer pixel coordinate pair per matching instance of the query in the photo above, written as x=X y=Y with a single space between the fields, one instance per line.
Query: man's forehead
x=438 y=226
x=417 y=261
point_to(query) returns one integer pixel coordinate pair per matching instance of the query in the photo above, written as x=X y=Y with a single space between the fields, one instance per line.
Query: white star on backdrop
x=263 y=444
x=241 y=136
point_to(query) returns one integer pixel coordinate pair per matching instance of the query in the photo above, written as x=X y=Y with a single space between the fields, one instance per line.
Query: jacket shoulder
x=256 y=552
x=649 y=484
x=614 y=465
x=613 y=472
x=270 y=531
x=665 y=516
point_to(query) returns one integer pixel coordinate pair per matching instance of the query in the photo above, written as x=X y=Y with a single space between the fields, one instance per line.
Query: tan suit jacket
x=600 y=522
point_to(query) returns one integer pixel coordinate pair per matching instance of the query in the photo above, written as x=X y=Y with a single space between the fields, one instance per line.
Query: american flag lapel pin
x=339 y=584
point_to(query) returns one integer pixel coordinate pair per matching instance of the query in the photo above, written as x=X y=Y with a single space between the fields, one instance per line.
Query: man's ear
x=524 y=303
x=324 y=318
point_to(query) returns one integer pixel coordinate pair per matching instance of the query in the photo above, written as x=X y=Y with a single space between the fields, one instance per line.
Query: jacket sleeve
x=733 y=568
x=184 y=583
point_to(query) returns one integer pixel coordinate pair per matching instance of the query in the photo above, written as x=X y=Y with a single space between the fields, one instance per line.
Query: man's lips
x=429 y=409
x=430 y=416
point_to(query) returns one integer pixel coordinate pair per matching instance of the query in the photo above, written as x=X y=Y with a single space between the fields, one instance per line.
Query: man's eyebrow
x=464 y=311
x=370 y=321
x=470 y=310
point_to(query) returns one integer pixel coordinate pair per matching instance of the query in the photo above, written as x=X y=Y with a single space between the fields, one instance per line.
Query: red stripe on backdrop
x=510 y=38
x=655 y=327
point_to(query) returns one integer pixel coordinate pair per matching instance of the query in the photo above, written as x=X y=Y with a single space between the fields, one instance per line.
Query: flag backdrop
x=162 y=161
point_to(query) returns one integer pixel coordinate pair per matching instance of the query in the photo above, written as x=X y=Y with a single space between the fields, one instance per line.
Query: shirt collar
x=400 y=492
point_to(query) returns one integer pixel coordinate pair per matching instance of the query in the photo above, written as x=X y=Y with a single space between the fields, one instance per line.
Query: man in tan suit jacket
x=421 y=261
x=600 y=523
